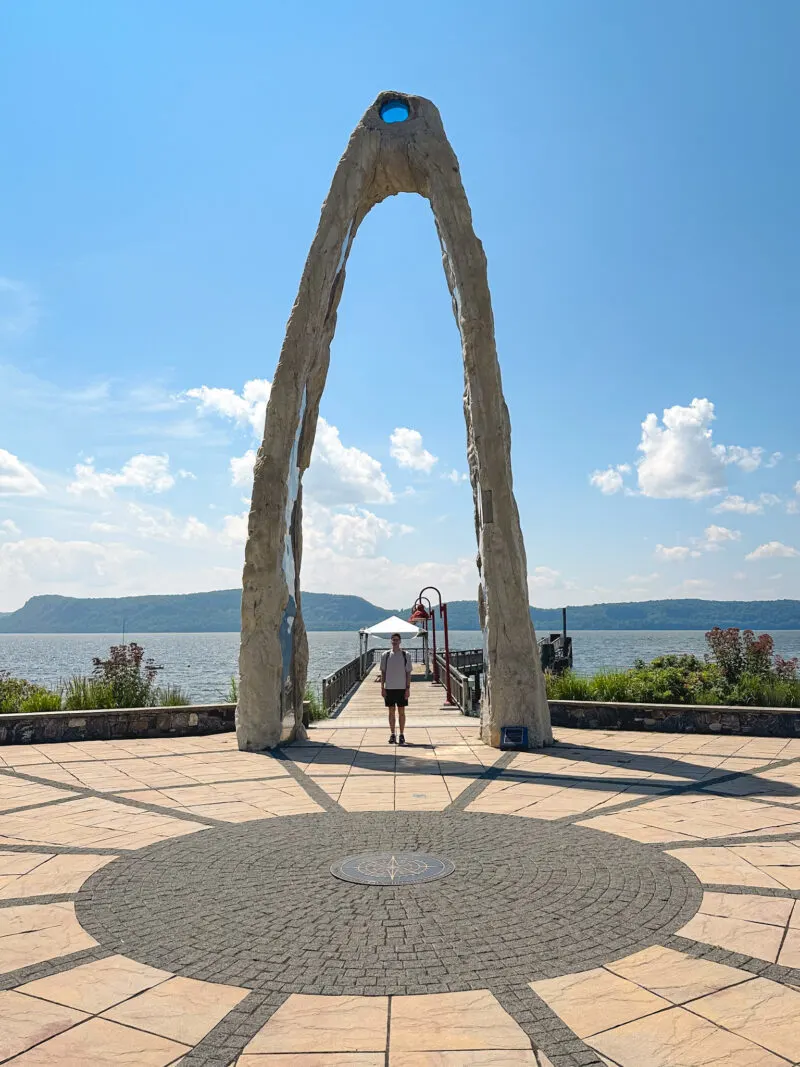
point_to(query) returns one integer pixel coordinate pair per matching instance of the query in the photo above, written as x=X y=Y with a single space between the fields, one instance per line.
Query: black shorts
x=395 y=698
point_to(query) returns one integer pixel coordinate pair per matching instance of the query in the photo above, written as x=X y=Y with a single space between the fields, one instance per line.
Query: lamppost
x=430 y=616
x=419 y=614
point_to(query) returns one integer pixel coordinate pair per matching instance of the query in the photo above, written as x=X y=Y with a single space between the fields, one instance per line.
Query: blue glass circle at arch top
x=394 y=110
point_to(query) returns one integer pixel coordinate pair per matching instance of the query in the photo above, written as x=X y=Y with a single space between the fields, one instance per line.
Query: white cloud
x=610 y=481
x=18 y=307
x=406 y=448
x=747 y=459
x=148 y=473
x=741 y=506
x=8 y=528
x=234 y=529
x=696 y=585
x=716 y=536
x=187 y=474
x=676 y=553
x=339 y=474
x=454 y=477
x=16 y=479
x=797 y=487
x=104 y=527
x=159 y=524
x=771 y=550
x=792 y=507
x=642 y=579
x=774 y=459
x=679 y=458
x=242 y=468
x=543 y=578
x=248 y=407
x=774 y=577
x=46 y=565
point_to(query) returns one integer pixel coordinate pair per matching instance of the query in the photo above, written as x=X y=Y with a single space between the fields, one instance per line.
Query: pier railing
x=466 y=691
x=339 y=685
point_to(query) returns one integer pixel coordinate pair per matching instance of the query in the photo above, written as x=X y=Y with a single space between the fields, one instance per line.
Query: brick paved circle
x=255 y=904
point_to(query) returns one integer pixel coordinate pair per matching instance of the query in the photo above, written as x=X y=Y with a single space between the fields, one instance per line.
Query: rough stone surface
x=563 y=899
x=115 y=724
x=677 y=718
x=383 y=159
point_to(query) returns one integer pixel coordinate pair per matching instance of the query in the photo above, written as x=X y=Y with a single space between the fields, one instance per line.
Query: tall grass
x=86 y=693
x=233 y=690
x=316 y=710
x=171 y=696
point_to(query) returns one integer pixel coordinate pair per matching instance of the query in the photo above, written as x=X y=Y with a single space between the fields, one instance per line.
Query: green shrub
x=40 y=699
x=132 y=677
x=85 y=693
x=171 y=696
x=233 y=690
x=317 y=711
x=19 y=696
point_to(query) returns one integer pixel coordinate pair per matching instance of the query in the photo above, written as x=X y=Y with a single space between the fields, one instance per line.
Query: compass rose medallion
x=391 y=868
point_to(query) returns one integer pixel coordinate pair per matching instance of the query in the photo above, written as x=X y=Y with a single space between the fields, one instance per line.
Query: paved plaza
x=621 y=898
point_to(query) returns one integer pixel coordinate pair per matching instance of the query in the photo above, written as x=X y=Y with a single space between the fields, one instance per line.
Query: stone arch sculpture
x=383 y=157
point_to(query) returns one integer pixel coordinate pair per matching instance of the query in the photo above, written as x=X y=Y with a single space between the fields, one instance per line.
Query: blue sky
x=633 y=173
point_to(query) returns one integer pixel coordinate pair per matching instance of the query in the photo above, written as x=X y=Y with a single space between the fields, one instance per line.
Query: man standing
x=396 y=670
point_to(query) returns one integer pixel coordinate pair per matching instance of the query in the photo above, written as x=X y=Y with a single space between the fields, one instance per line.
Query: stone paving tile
x=32 y=933
x=677 y=1038
x=314 y=1059
x=721 y=866
x=773 y=910
x=675 y=976
x=99 y=1043
x=25 y=1022
x=739 y=935
x=16 y=863
x=57 y=874
x=233 y=801
x=473 y=1058
x=590 y=1001
x=92 y=823
x=181 y=1008
x=94 y=987
x=18 y=792
x=761 y=1011
x=452 y=1021
x=325 y=1024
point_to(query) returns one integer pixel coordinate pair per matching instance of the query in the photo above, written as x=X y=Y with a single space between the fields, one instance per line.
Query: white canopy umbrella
x=392 y=625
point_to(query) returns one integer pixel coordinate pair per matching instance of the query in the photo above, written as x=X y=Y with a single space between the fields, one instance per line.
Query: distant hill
x=219 y=611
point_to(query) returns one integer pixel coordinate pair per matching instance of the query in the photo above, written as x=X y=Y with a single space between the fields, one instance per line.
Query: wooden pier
x=352 y=695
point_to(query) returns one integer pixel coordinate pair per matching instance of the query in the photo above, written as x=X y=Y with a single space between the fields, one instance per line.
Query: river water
x=202 y=664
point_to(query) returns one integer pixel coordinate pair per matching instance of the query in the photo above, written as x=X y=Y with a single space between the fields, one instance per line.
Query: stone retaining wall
x=116 y=723
x=677 y=718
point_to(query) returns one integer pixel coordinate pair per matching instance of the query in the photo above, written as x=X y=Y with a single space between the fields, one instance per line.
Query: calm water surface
x=202 y=664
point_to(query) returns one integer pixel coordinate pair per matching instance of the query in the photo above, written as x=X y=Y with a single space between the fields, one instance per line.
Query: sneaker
x=402 y=739
x=392 y=739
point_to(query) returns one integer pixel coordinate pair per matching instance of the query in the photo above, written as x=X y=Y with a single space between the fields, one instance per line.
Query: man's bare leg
x=402 y=713
x=391 y=720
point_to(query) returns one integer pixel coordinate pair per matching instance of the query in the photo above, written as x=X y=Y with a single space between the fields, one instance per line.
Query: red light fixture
x=419 y=614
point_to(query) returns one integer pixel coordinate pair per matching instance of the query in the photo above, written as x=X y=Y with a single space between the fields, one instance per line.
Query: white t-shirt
x=396 y=670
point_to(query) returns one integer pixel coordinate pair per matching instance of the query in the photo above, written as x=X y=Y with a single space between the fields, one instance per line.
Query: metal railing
x=338 y=686
x=466 y=659
x=465 y=693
